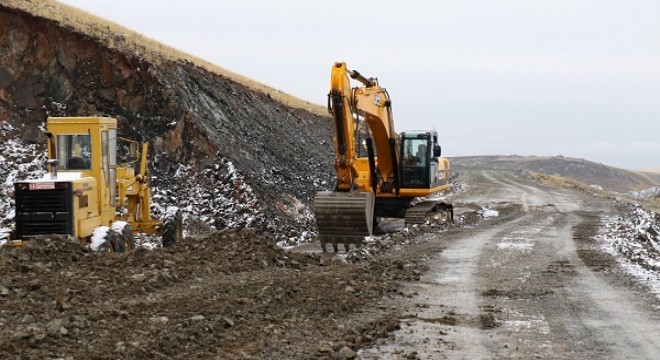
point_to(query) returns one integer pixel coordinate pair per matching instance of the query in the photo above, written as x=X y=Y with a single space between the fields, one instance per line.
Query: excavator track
x=430 y=211
x=343 y=217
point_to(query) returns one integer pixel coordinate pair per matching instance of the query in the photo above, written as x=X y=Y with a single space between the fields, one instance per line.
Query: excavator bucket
x=344 y=217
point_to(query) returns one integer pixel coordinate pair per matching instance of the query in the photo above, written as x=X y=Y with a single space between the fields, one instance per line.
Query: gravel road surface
x=528 y=284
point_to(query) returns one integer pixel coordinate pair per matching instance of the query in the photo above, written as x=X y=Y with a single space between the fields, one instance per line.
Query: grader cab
x=87 y=194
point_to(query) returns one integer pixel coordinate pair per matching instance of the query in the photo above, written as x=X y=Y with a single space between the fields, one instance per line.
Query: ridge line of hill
x=116 y=36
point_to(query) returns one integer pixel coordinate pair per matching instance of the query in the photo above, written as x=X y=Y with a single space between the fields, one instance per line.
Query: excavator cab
x=419 y=164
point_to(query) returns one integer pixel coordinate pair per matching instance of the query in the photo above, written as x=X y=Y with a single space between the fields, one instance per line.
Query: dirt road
x=526 y=285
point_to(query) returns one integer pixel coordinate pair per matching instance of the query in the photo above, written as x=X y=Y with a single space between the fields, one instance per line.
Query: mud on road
x=527 y=283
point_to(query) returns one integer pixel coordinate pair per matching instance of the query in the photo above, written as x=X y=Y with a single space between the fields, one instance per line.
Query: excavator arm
x=345 y=215
x=372 y=103
x=340 y=105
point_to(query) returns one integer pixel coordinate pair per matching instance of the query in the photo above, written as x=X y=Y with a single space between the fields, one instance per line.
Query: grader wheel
x=124 y=232
x=103 y=240
x=172 y=228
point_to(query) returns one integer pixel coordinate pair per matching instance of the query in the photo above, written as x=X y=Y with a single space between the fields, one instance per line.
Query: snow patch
x=118 y=226
x=487 y=212
x=518 y=325
x=634 y=242
x=649 y=193
x=526 y=247
x=98 y=237
x=18 y=161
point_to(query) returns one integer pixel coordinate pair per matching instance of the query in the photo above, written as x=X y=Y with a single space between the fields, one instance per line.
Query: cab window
x=415 y=151
x=74 y=152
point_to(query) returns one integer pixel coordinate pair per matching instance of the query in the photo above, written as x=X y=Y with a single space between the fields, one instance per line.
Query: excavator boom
x=345 y=215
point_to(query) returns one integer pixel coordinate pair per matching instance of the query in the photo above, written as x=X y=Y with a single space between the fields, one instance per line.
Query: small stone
x=120 y=347
x=347 y=353
x=96 y=291
x=55 y=328
x=35 y=285
x=324 y=348
x=163 y=319
x=20 y=335
x=392 y=326
x=138 y=277
x=229 y=322
x=197 y=318
x=27 y=319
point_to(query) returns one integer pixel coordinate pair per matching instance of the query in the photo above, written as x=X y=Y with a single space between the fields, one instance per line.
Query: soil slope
x=207 y=131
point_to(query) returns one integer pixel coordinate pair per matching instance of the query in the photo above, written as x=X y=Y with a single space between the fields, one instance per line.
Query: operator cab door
x=108 y=172
x=416 y=161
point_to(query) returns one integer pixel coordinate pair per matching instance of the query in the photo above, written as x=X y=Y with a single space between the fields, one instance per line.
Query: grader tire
x=172 y=229
x=119 y=243
x=109 y=239
x=124 y=232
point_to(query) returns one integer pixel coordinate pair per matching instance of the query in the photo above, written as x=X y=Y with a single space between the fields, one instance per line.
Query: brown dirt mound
x=230 y=295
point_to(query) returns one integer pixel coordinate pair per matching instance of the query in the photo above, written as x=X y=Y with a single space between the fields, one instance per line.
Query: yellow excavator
x=379 y=174
x=87 y=194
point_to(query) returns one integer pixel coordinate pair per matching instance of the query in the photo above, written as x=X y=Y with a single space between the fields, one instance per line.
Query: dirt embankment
x=195 y=119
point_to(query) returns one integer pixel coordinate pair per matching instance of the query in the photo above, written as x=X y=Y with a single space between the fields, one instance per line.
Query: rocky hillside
x=225 y=151
x=587 y=172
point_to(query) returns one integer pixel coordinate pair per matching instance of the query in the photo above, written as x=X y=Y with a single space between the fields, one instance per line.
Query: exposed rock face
x=191 y=115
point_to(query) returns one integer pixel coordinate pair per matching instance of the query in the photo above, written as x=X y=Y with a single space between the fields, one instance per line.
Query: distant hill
x=587 y=172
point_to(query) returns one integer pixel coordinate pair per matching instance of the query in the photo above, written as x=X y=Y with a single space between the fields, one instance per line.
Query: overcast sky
x=578 y=78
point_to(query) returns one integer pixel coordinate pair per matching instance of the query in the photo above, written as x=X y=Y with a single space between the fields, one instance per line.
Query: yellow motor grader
x=86 y=194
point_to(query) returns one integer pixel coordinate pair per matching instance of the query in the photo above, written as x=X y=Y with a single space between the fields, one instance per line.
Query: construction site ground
x=522 y=279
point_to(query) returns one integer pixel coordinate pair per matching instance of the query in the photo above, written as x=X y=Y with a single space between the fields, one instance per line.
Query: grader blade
x=344 y=217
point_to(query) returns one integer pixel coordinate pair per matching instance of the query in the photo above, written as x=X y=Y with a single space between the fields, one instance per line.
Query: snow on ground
x=634 y=241
x=18 y=160
x=520 y=240
x=487 y=212
x=653 y=192
x=219 y=197
x=215 y=198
